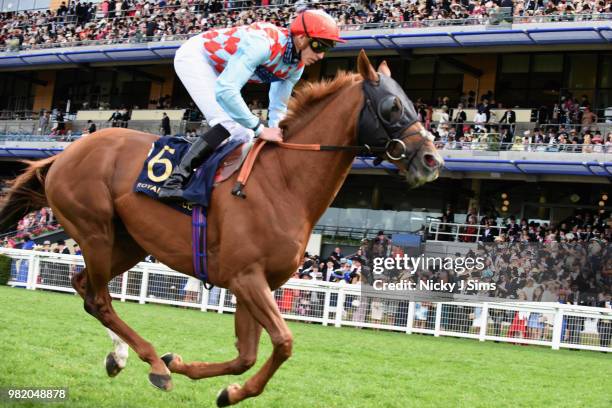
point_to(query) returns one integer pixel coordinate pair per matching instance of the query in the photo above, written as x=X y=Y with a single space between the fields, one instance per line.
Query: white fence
x=547 y=324
x=451 y=231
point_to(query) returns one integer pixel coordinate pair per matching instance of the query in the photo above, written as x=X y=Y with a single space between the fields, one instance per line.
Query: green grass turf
x=48 y=340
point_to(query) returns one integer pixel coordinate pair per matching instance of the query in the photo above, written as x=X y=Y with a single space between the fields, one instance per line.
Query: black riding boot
x=172 y=189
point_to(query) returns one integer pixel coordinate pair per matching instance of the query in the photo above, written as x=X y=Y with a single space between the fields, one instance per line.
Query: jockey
x=214 y=67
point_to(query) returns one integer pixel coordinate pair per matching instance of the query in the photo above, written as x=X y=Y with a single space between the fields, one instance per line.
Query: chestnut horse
x=90 y=188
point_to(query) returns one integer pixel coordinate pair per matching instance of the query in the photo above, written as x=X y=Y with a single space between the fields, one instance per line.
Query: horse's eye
x=391 y=109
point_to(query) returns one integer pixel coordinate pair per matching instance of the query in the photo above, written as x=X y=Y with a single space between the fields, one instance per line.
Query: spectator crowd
x=580 y=227
x=569 y=126
x=576 y=250
x=32 y=225
x=137 y=20
x=569 y=263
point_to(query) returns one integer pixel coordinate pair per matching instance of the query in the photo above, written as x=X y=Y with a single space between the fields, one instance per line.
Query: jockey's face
x=307 y=55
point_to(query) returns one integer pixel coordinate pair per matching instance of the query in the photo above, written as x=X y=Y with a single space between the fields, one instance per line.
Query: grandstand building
x=531 y=64
x=519 y=100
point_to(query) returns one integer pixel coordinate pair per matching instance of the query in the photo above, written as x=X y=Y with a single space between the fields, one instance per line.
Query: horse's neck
x=314 y=177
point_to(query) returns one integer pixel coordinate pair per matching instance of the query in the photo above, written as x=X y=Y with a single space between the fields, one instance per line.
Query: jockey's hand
x=272 y=134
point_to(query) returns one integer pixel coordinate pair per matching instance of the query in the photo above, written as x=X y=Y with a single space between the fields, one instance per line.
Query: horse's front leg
x=248 y=332
x=253 y=292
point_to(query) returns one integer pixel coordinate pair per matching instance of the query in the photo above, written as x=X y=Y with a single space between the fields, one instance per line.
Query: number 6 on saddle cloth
x=166 y=153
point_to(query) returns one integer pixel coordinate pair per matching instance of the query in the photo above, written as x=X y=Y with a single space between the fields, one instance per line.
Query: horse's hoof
x=223 y=398
x=161 y=381
x=111 y=365
x=167 y=359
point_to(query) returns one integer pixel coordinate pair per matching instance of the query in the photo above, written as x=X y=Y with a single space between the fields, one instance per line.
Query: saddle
x=167 y=152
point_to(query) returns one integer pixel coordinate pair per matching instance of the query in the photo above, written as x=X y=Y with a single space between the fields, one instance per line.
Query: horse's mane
x=306 y=98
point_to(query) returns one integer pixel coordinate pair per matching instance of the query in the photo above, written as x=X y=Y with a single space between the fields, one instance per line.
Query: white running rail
x=332 y=304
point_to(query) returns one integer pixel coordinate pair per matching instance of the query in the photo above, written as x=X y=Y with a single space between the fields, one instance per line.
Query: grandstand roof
x=585 y=32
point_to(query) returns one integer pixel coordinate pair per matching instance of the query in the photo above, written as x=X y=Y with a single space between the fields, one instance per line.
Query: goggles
x=319 y=46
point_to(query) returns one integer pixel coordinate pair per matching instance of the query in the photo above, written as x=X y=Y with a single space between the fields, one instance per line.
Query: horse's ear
x=365 y=68
x=383 y=68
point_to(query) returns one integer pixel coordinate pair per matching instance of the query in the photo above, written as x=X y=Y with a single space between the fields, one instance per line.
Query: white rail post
x=410 y=320
x=326 y=306
x=484 y=321
x=32 y=271
x=438 y=319
x=221 y=300
x=124 y=284
x=339 y=307
x=205 y=297
x=144 y=285
x=557 y=329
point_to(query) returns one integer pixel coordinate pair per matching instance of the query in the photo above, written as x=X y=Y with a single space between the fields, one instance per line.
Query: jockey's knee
x=236 y=130
x=216 y=135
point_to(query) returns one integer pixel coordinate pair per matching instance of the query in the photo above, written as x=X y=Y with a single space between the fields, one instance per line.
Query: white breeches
x=199 y=79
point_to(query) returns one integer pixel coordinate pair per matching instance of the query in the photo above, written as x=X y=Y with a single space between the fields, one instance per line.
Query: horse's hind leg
x=98 y=303
x=116 y=360
x=248 y=332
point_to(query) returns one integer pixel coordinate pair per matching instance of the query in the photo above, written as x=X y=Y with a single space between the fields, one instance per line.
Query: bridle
x=386 y=114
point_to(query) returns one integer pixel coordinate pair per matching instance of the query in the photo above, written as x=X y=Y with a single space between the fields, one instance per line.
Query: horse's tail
x=26 y=194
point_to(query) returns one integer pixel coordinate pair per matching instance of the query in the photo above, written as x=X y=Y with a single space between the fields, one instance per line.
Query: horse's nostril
x=430 y=161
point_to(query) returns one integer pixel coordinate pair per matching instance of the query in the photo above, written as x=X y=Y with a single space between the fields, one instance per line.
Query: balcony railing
x=140 y=38
x=526 y=147
x=446 y=231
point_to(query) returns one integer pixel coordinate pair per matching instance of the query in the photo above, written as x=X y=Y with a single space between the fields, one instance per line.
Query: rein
x=247 y=167
x=385 y=115
x=328 y=148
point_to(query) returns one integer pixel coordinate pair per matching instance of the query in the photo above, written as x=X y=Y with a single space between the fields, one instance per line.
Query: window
x=420 y=74
x=333 y=65
x=514 y=73
x=26 y=4
x=12 y=5
x=606 y=71
x=582 y=71
x=394 y=63
x=548 y=63
x=604 y=91
x=449 y=82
